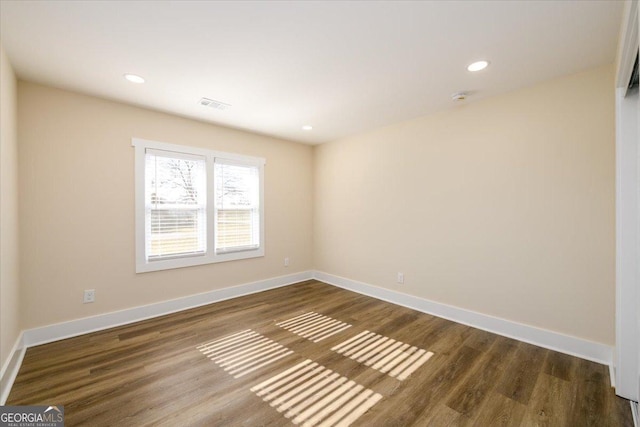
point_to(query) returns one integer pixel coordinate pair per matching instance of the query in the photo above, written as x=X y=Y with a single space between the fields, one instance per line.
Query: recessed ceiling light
x=307 y=127
x=134 y=78
x=478 y=65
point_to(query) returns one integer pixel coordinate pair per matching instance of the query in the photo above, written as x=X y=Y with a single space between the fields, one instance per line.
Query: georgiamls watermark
x=31 y=416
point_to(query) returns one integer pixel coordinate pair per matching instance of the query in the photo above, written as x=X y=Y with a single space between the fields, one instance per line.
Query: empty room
x=319 y=213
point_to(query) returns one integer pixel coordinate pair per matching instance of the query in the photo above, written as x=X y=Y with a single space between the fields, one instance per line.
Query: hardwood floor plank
x=469 y=395
x=549 y=402
x=500 y=411
x=154 y=372
x=441 y=415
x=522 y=373
x=560 y=365
x=480 y=340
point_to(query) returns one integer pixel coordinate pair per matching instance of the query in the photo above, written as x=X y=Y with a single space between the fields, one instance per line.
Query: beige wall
x=77 y=205
x=9 y=278
x=504 y=206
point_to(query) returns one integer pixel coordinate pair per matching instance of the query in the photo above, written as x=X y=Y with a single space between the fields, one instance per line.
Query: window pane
x=175 y=232
x=173 y=180
x=237 y=207
x=175 y=205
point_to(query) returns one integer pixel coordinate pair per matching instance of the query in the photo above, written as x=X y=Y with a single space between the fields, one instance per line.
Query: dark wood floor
x=156 y=372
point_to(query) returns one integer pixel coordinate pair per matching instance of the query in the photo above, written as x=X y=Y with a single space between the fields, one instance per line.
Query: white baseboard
x=574 y=346
x=59 y=331
x=10 y=368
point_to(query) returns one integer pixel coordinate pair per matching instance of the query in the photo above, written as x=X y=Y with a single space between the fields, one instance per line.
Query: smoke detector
x=214 y=104
x=459 y=96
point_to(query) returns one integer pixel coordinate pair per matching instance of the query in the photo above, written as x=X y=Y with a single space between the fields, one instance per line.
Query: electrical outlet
x=89 y=296
x=400 y=279
x=286 y=262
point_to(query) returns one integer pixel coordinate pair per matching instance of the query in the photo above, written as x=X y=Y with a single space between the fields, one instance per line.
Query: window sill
x=144 y=266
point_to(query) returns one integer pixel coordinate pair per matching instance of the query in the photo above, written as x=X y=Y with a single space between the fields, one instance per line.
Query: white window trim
x=142 y=265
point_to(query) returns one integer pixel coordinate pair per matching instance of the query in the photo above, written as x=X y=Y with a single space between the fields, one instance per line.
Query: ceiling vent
x=214 y=104
x=459 y=96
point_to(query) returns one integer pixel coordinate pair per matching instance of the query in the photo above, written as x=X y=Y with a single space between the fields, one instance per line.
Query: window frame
x=209 y=256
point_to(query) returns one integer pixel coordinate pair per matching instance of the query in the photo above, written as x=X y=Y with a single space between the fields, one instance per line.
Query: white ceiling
x=342 y=67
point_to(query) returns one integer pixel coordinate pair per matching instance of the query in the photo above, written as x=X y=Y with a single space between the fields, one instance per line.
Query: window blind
x=175 y=204
x=237 y=216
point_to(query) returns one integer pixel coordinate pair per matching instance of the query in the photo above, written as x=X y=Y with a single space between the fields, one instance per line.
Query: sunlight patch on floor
x=311 y=395
x=384 y=354
x=243 y=352
x=313 y=326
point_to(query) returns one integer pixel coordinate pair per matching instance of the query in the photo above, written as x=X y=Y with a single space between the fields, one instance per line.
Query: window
x=196 y=206
x=175 y=205
x=237 y=206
